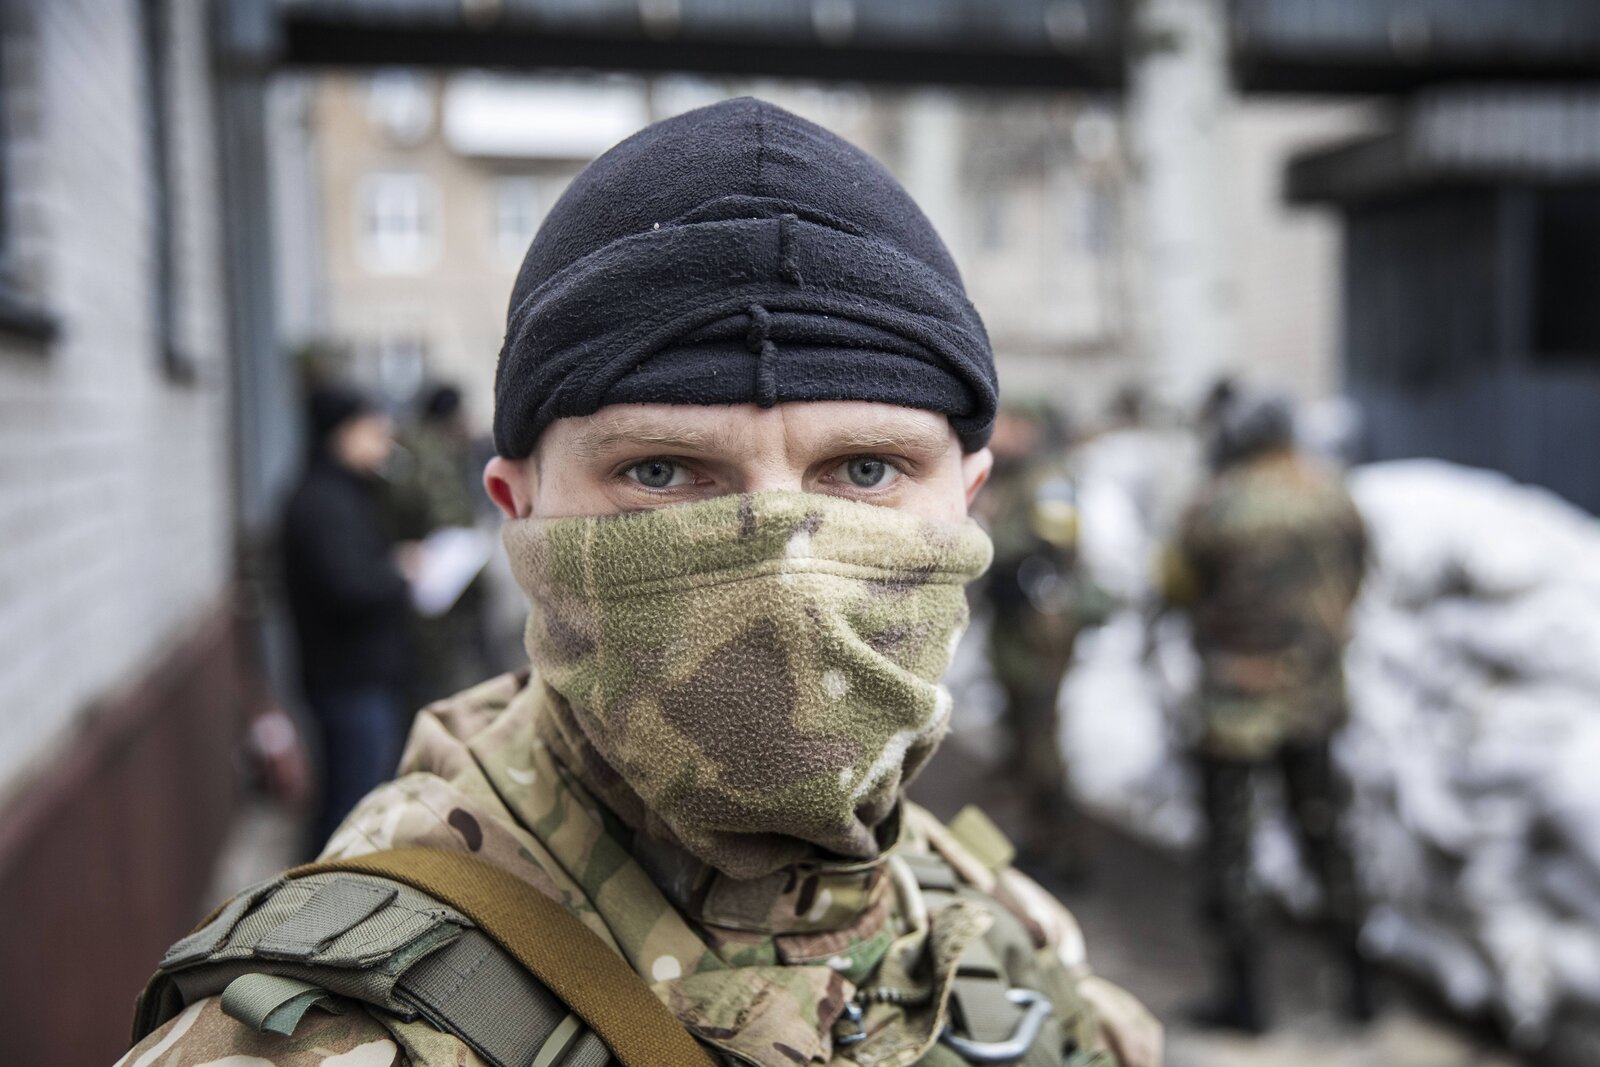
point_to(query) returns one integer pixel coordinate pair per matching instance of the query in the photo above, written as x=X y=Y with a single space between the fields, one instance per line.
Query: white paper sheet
x=451 y=559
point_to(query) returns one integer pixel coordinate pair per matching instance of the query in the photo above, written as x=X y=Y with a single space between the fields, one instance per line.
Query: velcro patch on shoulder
x=350 y=934
x=334 y=909
x=978 y=834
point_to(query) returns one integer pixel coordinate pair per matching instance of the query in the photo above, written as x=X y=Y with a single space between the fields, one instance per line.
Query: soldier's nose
x=769 y=477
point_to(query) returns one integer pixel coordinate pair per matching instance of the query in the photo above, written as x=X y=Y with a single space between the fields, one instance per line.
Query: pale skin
x=365 y=443
x=632 y=457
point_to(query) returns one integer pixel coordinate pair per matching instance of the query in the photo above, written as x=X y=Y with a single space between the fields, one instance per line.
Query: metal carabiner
x=853 y=1015
x=1037 y=1009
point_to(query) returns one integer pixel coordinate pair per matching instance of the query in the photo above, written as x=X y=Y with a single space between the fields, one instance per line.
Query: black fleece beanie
x=738 y=254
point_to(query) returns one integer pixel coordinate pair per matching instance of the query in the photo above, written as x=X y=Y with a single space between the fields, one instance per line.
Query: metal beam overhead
x=1396 y=46
x=1046 y=44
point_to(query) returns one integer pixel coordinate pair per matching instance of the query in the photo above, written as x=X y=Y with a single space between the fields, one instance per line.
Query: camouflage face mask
x=752 y=677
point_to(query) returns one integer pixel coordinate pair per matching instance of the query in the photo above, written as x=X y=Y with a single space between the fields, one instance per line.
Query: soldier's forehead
x=848 y=425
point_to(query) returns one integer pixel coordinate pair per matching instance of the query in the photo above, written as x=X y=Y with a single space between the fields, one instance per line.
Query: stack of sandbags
x=1119 y=732
x=1474 y=745
x=1475 y=691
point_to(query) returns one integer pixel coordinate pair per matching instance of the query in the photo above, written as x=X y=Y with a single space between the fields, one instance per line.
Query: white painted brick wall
x=114 y=490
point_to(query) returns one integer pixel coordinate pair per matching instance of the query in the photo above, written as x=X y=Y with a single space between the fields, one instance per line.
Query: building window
x=400 y=103
x=392 y=367
x=397 y=217
x=1099 y=226
x=518 y=209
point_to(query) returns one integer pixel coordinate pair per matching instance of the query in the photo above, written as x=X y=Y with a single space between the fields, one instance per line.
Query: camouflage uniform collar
x=814 y=895
x=807 y=897
x=746 y=989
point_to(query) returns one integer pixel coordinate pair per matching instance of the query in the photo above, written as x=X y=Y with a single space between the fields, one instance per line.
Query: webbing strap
x=555 y=1046
x=573 y=963
x=979 y=991
x=271 y=1003
x=986 y=1014
x=485 y=997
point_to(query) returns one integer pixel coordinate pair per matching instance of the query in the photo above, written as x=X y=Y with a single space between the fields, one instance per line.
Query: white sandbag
x=1548 y=633
x=1132 y=484
x=1436 y=524
x=1433 y=951
x=1569 y=796
x=1114 y=709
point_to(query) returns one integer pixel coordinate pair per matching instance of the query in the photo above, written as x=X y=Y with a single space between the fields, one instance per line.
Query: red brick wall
x=104 y=857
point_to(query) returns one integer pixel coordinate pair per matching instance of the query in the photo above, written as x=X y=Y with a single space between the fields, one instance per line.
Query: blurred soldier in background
x=1041 y=600
x=1267 y=563
x=448 y=481
x=349 y=600
x=439 y=487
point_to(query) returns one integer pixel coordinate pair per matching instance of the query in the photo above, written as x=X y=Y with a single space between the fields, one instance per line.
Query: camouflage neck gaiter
x=753 y=678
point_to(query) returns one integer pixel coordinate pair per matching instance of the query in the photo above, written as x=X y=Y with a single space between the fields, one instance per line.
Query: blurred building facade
x=1471 y=331
x=426 y=211
x=422 y=190
x=116 y=635
x=429 y=189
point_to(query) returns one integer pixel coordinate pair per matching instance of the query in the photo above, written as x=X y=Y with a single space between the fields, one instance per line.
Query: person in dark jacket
x=349 y=600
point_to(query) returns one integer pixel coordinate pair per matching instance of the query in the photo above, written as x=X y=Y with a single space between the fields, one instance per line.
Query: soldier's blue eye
x=658 y=474
x=867 y=472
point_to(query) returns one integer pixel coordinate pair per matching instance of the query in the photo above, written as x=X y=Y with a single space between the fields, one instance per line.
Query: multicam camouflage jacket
x=1268 y=561
x=852 y=963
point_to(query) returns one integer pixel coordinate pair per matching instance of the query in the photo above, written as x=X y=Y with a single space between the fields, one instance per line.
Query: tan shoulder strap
x=583 y=971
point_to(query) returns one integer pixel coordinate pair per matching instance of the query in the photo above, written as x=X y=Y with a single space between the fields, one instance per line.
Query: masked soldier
x=1040 y=600
x=1267 y=564
x=740 y=411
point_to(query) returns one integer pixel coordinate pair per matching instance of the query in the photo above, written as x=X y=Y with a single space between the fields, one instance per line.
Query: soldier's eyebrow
x=918 y=436
x=629 y=431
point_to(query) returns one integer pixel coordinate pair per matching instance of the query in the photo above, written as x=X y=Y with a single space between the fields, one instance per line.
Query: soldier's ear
x=975 y=468
x=509 y=483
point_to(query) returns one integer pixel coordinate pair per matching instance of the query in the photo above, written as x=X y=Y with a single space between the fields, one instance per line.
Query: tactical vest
x=321 y=939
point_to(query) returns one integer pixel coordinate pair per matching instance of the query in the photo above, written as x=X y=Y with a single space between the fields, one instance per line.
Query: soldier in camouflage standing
x=438 y=488
x=741 y=410
x=1267 y=564
x=1040 y=599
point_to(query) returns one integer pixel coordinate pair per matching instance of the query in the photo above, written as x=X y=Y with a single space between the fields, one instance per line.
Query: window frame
x=177 y=363
x=22 y=315
x=369 y=246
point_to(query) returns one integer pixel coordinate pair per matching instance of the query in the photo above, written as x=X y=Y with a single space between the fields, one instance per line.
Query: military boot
x=1236 y=1003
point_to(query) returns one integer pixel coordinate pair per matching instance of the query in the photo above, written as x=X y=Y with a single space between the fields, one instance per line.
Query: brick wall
x=114 y=491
